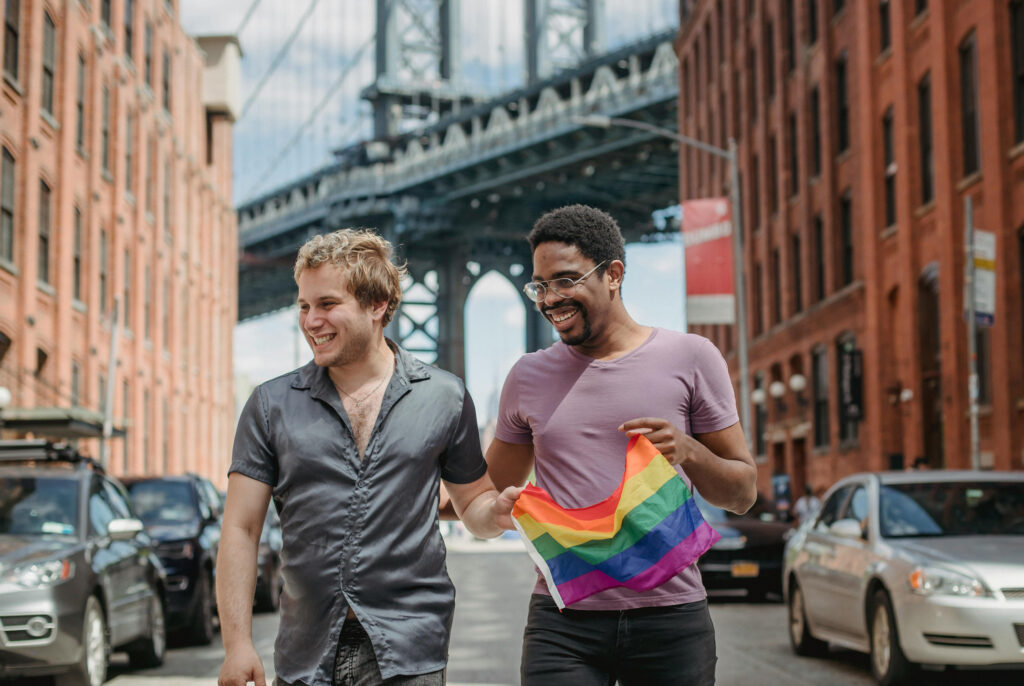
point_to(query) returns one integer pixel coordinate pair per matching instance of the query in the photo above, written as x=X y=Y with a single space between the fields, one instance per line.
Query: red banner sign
x=707 y=238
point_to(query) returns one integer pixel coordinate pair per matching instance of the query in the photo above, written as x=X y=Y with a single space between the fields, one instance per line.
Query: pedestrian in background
x=569 y=410
x=352 y=447
x=806 y=505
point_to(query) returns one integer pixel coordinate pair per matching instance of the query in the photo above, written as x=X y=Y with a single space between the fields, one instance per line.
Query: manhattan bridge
x=457 y=191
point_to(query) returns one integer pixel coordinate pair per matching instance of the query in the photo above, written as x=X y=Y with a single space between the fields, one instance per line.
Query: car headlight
x=182 y=550
x=39 y=575
x=939 y=581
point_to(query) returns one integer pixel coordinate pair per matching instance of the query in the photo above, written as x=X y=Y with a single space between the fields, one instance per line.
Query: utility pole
x=108 y=402
x=972 y=342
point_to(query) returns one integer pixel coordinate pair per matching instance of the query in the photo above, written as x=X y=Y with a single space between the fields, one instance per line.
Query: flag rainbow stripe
x=642 y=535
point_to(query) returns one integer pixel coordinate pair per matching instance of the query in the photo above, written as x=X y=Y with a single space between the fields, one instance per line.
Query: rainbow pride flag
x=642 y=535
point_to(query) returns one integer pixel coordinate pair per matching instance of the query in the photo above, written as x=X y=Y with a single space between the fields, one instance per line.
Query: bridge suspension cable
x=335 y=87
x=278 y=58
x=248 y=15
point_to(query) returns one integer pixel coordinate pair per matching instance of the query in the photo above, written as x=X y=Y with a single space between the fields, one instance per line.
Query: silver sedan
x=918 y=569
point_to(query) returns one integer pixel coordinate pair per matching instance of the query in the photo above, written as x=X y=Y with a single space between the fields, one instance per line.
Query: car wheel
x=91 y=670
x=888 y=663
x=800 y=637
x=149 y=652
x=201 y=631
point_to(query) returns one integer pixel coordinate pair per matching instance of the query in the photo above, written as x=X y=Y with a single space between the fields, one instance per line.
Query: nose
x=550 y=297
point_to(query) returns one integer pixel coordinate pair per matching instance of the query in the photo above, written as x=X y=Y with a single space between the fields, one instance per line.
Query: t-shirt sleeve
x=713 y=406
x=253 y=453
x=463 y=461
x=512 y=426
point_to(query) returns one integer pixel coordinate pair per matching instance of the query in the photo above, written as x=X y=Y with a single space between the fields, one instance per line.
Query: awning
x=55 y=422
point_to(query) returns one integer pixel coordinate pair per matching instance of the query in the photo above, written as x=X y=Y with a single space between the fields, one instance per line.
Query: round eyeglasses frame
x=563 y=288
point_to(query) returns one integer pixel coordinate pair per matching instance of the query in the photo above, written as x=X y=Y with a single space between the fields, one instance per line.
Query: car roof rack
x=42 y=451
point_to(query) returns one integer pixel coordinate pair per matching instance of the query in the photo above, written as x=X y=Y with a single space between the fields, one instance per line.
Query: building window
x=884 y=26
x=49 y=62
x=164 y=435
x=105 y=131
x=147 y=46
x=167 y=81
x=812 y=22
x=165 y=334
x=752 y=83
x=819 y=258
x=846 y=237
x=76 y=384
x=920 y=6
x=44 y=233
x=969 y=104
x=1017 y=46
x=129 y=149
x=7 y=208
x=842 y=105
x=794 y=159
x=755 y=193
x=769 y=61
x=76 y=259
x=5 y=345
x=796 y=254
x=791 y=34
x=924 y=132
x=150 y=174
x=760 y=418
x=720 y=25
x=41 y=358
x=127 y=318
x=776 y=286
x=105 y=12
x=773 y=175
x=125 y=413
x=145 y=431
x=889 y=167
x=819 y=372
x=758 y=300
x=80 y=106
x=837 y=6
x=815 y=131
x=104 y=257
x=849 y=378
x=129 y=18
x=12 y=14
x=167 y=201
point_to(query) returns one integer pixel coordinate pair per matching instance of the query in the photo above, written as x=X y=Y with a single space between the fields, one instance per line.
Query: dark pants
x=649 y=646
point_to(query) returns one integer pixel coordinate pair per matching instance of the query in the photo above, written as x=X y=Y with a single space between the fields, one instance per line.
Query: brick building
x=862 y=127
x=115 y=188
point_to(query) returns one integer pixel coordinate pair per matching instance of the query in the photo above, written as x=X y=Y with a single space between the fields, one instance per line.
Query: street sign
x=984 y=277
x=707 y=241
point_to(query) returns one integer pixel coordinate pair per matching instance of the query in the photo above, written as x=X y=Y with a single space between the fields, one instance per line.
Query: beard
x=584 y=335
x=355 y=345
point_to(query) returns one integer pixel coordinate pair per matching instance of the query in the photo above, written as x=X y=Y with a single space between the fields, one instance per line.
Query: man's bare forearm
x=479 y=516
x=236 y=584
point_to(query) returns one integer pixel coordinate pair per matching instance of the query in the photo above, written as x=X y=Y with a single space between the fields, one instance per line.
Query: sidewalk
x=464 y=542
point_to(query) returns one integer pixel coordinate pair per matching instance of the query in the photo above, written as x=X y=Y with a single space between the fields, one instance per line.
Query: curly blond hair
x=366 y=259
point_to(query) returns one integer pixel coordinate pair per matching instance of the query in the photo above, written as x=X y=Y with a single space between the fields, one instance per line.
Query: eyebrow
x=300 y=301
x=567 y=273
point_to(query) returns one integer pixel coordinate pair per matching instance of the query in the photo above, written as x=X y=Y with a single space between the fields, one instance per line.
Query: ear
x=378 y=310
x=615 y=271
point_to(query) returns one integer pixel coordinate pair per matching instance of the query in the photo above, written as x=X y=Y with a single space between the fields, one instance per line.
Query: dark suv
x=78 y=576
x=182 y=514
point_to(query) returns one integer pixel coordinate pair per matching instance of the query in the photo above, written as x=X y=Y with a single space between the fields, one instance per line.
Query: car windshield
x=987 y=508
x=38 y=506
x=162 y=502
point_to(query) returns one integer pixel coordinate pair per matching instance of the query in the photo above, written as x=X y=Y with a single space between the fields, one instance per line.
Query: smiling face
x=579 y=318
x=338 y=329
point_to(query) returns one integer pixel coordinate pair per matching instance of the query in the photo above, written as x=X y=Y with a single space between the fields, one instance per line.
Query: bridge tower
x=560 y=34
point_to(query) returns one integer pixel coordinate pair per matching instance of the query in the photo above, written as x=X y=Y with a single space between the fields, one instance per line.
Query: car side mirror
x=846 y=528
x=124 y=529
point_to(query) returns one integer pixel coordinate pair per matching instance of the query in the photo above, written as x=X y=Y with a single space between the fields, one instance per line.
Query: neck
x=375 y=363
x=619 y=336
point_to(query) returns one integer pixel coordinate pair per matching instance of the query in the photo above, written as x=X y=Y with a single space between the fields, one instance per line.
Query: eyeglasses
x=563 y=288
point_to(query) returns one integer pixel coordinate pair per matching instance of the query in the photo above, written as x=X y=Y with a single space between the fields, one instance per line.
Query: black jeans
x=643 y=646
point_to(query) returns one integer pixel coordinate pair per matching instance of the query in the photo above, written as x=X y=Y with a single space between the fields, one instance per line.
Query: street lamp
x=739 y=283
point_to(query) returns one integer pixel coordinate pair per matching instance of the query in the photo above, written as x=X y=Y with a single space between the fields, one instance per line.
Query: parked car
x=78 y=577
x=269 y=581
x=922 y=567
x=182 y=514
x=748 y=556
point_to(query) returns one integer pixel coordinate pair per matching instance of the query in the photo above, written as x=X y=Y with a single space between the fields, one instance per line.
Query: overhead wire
x=335 y=87
x=248 y=15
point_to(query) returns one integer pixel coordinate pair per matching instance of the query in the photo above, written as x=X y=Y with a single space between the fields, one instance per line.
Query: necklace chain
x=359 y=402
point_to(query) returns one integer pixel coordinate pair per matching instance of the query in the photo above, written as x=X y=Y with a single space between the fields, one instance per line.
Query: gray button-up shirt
x=361 y=534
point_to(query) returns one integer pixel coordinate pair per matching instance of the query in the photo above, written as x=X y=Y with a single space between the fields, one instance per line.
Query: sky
x=301 y=103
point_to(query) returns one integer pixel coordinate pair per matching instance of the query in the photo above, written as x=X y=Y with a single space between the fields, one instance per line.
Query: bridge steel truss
x=465 y=191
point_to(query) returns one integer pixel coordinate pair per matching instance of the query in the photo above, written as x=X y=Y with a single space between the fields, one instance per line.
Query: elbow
x=746 y=495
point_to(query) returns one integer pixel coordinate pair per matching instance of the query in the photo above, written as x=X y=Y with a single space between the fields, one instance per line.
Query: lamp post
x=739 y=282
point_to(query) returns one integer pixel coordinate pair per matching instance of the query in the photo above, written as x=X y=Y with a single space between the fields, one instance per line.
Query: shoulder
x=685 y=346
x=541 y=361
x=441 y=381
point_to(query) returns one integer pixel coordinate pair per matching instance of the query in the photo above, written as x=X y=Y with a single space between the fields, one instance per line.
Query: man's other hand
x=503 y=506
x=240 y=667
x=677 y=447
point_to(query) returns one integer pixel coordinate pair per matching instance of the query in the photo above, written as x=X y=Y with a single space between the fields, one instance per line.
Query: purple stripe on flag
x=674 y=561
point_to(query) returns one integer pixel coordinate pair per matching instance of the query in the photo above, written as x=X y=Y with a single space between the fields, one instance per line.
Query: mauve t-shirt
x=570 y=407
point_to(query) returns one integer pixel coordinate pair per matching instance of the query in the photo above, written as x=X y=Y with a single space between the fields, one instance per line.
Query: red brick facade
x=117 y=185
x=850 y=244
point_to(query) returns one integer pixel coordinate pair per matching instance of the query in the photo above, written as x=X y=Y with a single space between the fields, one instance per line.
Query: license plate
x=745 y=569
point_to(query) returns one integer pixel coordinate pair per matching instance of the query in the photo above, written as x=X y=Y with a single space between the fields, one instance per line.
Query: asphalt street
x=493 y=582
